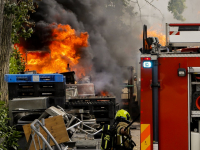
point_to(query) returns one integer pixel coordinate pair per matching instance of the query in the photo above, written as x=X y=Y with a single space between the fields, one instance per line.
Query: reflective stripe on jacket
x=120 y=138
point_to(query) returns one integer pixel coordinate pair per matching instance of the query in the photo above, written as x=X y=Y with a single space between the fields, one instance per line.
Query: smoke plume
x=113 y=42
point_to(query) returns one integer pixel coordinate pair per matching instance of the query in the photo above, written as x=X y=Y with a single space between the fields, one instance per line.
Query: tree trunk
x=5 y=50
x=1 y=24
x=1 y=17
x=5 y=55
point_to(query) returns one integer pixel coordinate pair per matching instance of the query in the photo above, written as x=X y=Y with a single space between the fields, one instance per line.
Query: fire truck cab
x=170 y=89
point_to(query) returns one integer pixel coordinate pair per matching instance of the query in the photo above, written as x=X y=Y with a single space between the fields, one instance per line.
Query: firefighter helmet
x=123 y=114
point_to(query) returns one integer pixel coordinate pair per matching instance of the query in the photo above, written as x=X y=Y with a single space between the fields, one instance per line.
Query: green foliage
x=176 y=7
x=17 y=63
x=8 y=135
x=21 y=27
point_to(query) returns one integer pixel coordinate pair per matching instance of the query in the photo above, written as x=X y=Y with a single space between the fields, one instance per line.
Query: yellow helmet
x=123 y=114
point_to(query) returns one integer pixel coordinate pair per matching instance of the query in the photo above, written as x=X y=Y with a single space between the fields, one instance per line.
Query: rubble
x=65 y=130
x=34 y=97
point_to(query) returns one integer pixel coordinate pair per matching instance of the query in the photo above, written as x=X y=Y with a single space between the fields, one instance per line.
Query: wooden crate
x=55 y=126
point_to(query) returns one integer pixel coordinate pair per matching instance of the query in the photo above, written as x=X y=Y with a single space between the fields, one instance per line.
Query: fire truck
x=170 y=89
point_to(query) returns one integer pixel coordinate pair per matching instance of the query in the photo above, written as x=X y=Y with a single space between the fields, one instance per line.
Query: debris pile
x=61 y=130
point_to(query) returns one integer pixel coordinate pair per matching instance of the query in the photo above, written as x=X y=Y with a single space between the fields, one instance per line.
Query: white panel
x=184 y=44
x=172 y=54
x=185 y=36
x=173 y=28
x=194 y=70
x=155 y=146
x=36 y=78
x=195 y=141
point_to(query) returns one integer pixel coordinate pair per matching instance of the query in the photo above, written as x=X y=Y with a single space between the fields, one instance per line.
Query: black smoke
x=113 y=42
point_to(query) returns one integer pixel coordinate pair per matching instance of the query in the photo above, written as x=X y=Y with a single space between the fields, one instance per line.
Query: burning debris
x=96 y=43
x=104 y=93
x=31 y=95
x=63 y=50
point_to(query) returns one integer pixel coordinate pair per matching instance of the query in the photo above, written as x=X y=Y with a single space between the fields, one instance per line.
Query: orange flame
x=156 y=33
x=21 y=50
x=104 y=93
x=198 y=12
x=63 y=50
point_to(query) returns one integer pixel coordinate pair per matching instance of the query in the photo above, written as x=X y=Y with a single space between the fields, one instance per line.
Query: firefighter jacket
x=120 y=138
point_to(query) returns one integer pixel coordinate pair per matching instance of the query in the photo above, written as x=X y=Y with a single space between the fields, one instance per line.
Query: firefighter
x=115 y=137
x=123 y=138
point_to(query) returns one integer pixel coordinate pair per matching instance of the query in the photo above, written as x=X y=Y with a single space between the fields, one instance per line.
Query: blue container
x=16 y=78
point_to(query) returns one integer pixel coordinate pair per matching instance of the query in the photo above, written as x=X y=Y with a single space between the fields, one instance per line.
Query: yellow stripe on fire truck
x=145 y=137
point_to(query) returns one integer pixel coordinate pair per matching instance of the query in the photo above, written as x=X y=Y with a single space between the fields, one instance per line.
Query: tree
x=8 y=135
x=17 y=63
x=5 y=49
x=13 y=25
x=176 y=7
x=21 y=27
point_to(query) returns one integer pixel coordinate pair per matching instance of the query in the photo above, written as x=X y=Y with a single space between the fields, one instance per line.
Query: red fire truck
x=170 y=89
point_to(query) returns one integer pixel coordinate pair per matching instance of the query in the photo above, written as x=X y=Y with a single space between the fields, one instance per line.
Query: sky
x=152 y=16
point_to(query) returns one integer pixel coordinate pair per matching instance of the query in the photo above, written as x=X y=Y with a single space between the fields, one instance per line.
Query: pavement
x=136 y=138
x=135 y=132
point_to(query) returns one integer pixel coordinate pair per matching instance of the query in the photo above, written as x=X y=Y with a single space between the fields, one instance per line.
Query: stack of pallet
x=37 y=85
x=32 y=94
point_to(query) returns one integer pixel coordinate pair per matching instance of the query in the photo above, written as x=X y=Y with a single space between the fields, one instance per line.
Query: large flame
x=63 y=50
x=156 y=33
